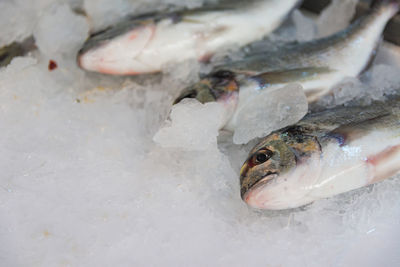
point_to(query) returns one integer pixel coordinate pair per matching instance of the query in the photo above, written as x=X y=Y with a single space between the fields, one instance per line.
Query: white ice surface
x=377 y=83
x=20 y=17
x=59 y=30
x=267 y=111
x=191 y=126
x=335 y=17
x=18 y=27
x=83 y=184
x=306 y=28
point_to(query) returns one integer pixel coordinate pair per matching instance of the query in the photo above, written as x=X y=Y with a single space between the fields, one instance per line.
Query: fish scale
x=196 y=33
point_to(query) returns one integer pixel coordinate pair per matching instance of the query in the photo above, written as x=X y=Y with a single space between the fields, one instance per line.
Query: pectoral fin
x=291 y=75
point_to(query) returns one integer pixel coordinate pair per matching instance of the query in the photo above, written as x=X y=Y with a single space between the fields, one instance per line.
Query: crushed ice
x=60 y=30
x=330 y=21
x=327 y=23
x=192 y=125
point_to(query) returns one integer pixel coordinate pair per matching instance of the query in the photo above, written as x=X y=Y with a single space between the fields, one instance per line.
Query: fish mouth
x=266 y=179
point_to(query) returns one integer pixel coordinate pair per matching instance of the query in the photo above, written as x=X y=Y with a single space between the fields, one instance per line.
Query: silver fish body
x=325 y=154
x=320 y=64
x=145 y=43
x=316 y=65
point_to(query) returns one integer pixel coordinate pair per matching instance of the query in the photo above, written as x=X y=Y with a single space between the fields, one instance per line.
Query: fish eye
x=222 y=78
x=263 y=156
x=224 y=74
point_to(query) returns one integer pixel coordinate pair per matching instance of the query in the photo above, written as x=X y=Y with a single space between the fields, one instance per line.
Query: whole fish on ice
x=144 y=43
x=325 y=154
x=316 y=65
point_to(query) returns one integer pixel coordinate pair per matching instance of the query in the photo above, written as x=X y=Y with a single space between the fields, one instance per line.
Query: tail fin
x=392 y=4
x=388 y=7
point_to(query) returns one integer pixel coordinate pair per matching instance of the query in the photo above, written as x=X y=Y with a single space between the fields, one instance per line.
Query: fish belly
x=370 y=159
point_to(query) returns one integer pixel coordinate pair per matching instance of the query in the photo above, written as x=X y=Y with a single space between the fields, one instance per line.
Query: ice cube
x=376 y=84
x=388 y=54
x=347 y=90
x=306 y=28
x=192 y=125
x=17 y=22
x=60 y=31
x=21 y=17
x=336 y=17
x=383 y=80
x=18 y=64
x=270 y=110
x=103 y=12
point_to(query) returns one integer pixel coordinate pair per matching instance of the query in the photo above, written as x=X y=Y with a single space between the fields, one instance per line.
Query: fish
x=143 y=44
x=316 y=65
x=16 y=49
x=325 y=154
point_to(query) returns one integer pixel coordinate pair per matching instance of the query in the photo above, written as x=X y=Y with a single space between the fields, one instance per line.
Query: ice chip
x=336 y=17
x=348 y=89
x=104 y=13
x=270 y=110
x=377 y=83
x=17 y=22
x=18 y=64
x=60 y=31
x=385 y=79
x=388 y=54
x=192 y=125
x=306 y=29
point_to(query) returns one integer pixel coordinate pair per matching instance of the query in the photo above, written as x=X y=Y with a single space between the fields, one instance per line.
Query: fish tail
x=393 y=5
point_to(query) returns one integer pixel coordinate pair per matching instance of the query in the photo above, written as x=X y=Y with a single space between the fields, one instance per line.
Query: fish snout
x=256 y=196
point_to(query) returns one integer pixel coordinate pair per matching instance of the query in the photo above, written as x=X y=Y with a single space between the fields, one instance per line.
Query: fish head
x=117 y=50
x=281 y=170
x=220 y=86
